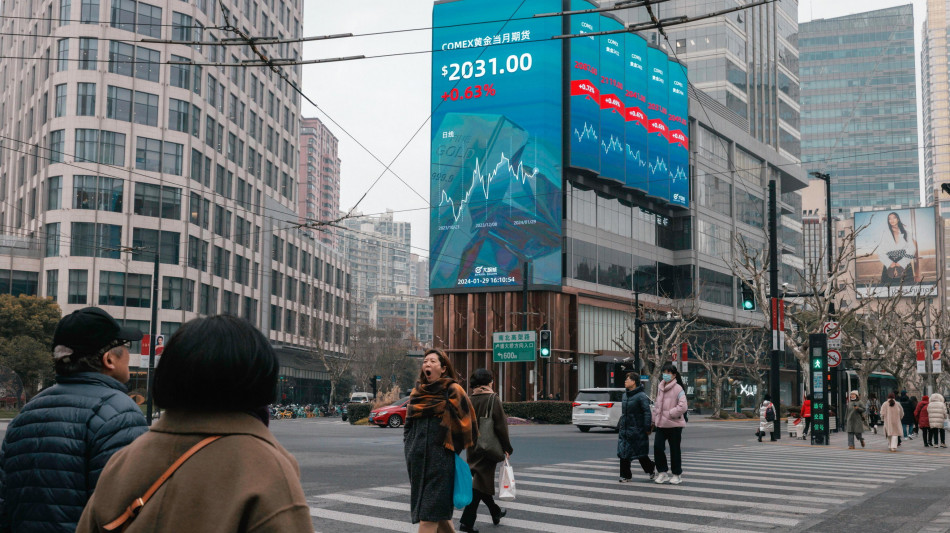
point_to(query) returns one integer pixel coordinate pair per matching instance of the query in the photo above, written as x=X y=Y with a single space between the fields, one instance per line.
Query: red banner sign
x=585 y=88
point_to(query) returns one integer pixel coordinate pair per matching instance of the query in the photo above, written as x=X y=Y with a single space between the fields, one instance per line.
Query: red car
x=391 y=415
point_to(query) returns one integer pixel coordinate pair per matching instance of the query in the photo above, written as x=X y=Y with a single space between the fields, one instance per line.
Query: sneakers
x=676 y=480
x=943 y=445
x=653 y=474
x=661 y=478
x=625 y=480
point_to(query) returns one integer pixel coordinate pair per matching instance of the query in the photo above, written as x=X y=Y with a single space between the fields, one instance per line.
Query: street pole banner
x=921 y=357
x=935 y=351
x=684 y=355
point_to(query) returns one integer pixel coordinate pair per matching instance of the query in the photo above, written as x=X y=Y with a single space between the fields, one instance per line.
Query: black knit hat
x=89 y=330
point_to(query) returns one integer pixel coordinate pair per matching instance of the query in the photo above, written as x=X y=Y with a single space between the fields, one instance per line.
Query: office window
x=62 y=55
x=208 y=300
x=180 y=75
x=59 y=107
x=178 y=294
x=89 y=12
x=121 y=57
x=123 y=15
x=88 y=239
x=129 y=290
x=112 y=148
x=149 y=20
x=147 y=64
x=64 y=12
x=157 y=201
x=86 y=99
x=52 y=239
x=197 y=253
x=96 y=192
x=169 y=243
x=87 y=145
x=172 y=156
x=78 y=290
x=178 y=115
x=88 y=52
x=111 y=288
x=196 y=121
x=57 y=143
x=119 y=103
x=145 y=109
x=181 y=27
x=54 y=192
x=148 y=154
x=52 y=284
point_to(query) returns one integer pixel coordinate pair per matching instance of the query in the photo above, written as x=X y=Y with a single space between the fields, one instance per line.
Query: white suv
x=597 y=408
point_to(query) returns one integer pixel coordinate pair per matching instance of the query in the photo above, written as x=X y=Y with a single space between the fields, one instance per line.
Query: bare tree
x=719 y=351
x=754 y=347
x=337 y=366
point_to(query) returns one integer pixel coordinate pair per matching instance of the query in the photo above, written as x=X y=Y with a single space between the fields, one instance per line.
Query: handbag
x=946 y=423
x=125 y=519
x=488 y=445
x=506 y=483
x=462 y=488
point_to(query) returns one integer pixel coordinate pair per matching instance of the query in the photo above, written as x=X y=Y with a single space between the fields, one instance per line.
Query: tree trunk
x=715 y=391
x=332 y=391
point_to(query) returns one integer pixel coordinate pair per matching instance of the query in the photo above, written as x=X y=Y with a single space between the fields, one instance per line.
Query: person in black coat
x=907 y=422
x=55 y=449
x=633 y=439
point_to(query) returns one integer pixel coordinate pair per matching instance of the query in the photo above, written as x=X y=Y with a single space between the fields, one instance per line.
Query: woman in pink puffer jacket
x=668 y=417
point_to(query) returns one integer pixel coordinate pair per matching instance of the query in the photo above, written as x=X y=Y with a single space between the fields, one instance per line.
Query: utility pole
x=150 y=372
x=524 y=297
x=775 y=385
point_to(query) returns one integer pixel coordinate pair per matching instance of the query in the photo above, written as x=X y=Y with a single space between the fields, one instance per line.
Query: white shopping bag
x=506 y=483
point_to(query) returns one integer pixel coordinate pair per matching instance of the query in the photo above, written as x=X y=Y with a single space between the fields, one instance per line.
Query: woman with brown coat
x=485 y=403
x=216 y=378
x=891 y=414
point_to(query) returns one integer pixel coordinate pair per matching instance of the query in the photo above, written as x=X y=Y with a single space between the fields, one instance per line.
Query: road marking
x=807 y=477
x=693 y=474
x=363 y=520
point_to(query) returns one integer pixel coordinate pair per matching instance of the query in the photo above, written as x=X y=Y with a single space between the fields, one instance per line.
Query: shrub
x=543 y=412
x=357 y=411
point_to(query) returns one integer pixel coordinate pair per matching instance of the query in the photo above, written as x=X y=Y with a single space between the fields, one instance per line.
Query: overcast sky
x=382 y=102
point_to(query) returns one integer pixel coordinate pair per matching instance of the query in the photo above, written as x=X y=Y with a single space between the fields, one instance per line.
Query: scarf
x=483 y=389
x=440 y=399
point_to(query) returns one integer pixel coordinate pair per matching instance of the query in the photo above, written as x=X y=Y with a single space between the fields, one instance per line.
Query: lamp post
x=825 y=177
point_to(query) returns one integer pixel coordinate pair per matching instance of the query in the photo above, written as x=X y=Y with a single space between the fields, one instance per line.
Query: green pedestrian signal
x=544 y=343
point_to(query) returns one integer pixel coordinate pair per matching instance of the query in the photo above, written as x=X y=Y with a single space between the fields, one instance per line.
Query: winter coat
x=892 y=416
x=55 y=449
x=245 y=481
x=431 y=470
x=908 y=406
x=483 y=469
x=806 y=409
x=936 y=411
x=920 y=413
x=854 y=421
x=670 y=406
x=633 y=439
x=765 y=425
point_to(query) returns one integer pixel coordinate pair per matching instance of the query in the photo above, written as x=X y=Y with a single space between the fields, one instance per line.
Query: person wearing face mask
x=440 y=423
x=633 y=433
x=668 y=411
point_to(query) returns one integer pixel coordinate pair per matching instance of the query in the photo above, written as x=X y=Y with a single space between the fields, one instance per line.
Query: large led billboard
x=895 y=250
x=496 y=154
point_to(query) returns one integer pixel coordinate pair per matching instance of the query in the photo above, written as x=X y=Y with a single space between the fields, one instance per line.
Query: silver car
x=597 y=408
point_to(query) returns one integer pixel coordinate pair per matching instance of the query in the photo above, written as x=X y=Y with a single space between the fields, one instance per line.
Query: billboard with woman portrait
x=896 y=250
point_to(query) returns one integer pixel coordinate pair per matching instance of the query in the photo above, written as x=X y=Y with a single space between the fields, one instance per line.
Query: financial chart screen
x=496 y=159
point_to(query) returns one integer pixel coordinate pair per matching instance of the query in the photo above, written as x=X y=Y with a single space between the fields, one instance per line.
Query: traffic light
x=544 y=342
x=748 y=297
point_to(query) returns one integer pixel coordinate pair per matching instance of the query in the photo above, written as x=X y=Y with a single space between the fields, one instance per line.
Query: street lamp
x=823 y=176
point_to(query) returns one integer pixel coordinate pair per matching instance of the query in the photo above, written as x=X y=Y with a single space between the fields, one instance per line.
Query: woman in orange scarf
x=440 y=423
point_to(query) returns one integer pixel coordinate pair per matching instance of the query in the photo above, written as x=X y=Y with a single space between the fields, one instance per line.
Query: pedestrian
x=854 y=421
x=874 y=412
x=668 y=411
x=907 y=422
x=440 y=423
x=923 y=419
x=216 y=377
x=633 y=431
x=913 y=409
x=486 y=404
x=55 y=449
x=936 y=415
x=806 y=415
x=767 y=417
x=892 y=413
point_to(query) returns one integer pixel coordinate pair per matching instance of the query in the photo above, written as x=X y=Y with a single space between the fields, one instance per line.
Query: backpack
x=770 y=414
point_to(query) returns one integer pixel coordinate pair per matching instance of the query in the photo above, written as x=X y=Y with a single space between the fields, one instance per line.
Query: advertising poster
x=584 y=99
x=657 y=115
x=635 y=105
x=896 y=251
x=935 y=352
x=496 y=145
x=612 y=120
x=678 y=135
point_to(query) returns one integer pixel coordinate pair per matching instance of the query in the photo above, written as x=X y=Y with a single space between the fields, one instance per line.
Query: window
x=57 y=143
x=168 y=242
x=180 y=75
x=129 y=290
x=78 y=287
x=121 y=57
x=54 y=190
x=88 y=239
x=178 y=294
x=145 y=109
x=178 y=115
x=222 y=221
x=148 y=154
x=86 y=99
x=112 y=148
x=123 y=14
x=87 y=145
x=195 y=121
x=157 y=201
x=96 y=192
x=59 y=107
x=197 y=253
x=88 y=52
x=52 y=239
x=147 y=64
x=119 y=103
x=172 y=155
x=52 y=284
x=62 y=55
x=64 y=12
x=208 y=300
x=89 y=12
x=149 y=20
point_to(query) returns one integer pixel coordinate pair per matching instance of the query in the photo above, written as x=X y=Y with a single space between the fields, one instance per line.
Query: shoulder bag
x=488 y=445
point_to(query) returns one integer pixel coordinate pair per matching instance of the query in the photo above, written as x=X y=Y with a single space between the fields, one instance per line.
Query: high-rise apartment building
x=318 y=189
x=418 y=275
x=935 y=88
x=859 y=108
x=377 y=251
x=116 y=150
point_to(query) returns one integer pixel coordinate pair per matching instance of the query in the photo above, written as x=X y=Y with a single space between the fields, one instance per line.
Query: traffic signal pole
x=777 y=308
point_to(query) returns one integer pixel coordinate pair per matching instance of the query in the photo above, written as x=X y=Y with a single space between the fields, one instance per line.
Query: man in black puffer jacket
x=55 y=449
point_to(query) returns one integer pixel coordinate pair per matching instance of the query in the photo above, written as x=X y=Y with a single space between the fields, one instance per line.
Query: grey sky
x=382 y=102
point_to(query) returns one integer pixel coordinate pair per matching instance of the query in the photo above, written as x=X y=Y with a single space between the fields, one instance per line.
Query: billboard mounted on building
x=896 y=250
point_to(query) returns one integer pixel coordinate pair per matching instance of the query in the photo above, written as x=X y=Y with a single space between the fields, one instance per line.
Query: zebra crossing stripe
x=363 y=520
x=771 y=473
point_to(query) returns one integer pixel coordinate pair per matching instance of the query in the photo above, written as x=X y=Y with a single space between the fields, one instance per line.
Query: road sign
x=833 y=331
x=834 y=358
x=819 y=359
x=514 y=346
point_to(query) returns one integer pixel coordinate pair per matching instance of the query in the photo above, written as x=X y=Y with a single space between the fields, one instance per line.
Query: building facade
x=117 y=153
x=377 y=250
x=405 y=312
x=859 y=108
x=318 y=185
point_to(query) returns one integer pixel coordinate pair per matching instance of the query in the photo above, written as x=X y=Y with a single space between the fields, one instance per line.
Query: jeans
x=674 y=436
x=645 y=463
x=468 y=515
x=908 y=429
x=852 y=436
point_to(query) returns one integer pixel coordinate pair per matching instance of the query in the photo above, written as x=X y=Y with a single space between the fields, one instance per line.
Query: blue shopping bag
x=462 y=493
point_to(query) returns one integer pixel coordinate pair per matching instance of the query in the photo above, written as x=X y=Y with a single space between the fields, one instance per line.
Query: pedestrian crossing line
x=688 y=486
x=778 y=521
x=816 y=464
x=904 y=457
x=693 y=473
x=816 y=453
x=360 y=519
x=628 y=493
x=693 y=467
x=535 y=525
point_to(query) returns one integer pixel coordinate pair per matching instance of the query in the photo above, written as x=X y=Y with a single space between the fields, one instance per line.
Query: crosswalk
x=743 y=488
